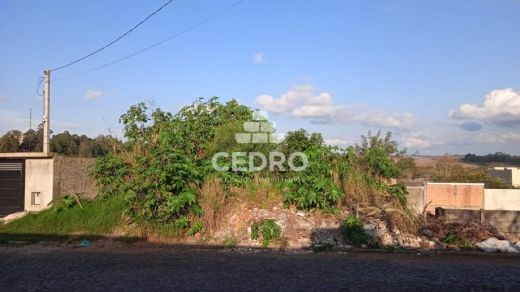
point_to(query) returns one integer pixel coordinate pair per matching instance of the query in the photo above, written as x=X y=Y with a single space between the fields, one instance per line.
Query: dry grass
x=212 y=202
x=470 y=232
x=259 y=193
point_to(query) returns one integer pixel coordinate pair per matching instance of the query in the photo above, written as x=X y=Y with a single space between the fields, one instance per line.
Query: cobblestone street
x=134 y=268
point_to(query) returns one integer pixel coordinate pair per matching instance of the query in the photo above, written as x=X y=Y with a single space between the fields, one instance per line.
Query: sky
x=443 y=76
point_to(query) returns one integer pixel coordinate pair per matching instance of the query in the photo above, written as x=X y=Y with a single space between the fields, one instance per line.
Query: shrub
x=314 y=187
x=352 y=230
x=269 y=230
x=163 y=163
x=399 y=192
x=457 y=240
x=230 y=240
x=65 y=202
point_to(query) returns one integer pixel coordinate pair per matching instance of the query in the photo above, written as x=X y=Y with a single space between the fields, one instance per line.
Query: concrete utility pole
x=46 y=111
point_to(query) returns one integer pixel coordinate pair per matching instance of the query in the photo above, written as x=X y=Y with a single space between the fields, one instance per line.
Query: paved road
x=137 y=268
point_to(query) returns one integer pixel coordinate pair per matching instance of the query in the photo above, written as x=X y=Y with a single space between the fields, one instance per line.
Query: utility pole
x=46 y=111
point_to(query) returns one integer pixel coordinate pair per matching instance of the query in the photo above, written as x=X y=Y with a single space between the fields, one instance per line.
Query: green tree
x=32 y=141
x=65 y=144
x=374 y=154
x=10 y=142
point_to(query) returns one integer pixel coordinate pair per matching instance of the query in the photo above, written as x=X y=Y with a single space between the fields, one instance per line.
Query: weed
x=196 y=228
x=65 y=202
x=269 y=230
x=230 y=240
x=457 y=240
x=352 y=229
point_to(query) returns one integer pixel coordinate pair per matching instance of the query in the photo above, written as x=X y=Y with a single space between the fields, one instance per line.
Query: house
x=30 y=181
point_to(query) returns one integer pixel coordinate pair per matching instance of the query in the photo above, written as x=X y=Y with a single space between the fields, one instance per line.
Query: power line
x=40 y=80
x=114 y=41
x=177 y=34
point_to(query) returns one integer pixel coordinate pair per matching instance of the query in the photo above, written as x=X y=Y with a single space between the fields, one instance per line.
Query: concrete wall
x=72 y=176
x=416 y=198
x=502 y=199
x=454 y=196
x=39 y=178
x=516 y=176
x=509 y=175
x=503 y=221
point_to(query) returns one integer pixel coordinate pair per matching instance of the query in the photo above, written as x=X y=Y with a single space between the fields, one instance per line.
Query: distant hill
x=499 y=159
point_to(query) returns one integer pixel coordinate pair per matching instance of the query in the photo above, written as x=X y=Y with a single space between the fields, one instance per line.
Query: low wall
x=503 y=221
x=72 y=176
x=454 y=196
x=502 y=199
x=415 y=198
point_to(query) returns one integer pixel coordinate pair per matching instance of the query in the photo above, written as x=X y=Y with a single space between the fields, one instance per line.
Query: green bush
x=352 y=230
x=457 y=240
x=164 y=161
x=399 y=192
x=65 y=202
x=268 y=230
x=313 y=187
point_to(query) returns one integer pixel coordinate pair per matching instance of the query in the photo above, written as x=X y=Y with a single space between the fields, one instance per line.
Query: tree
x=65 y=144
x=407 y=167
x=32 y=141
x=11 y=141
x=449 y=170
x=374 y=154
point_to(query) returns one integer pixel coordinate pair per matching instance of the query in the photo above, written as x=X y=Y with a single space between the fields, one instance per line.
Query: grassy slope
x=95 y=219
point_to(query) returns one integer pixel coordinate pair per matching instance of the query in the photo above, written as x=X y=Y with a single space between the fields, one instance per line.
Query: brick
x=243 y=138
x=266 y=127
x=252 y=126
x=260 y=138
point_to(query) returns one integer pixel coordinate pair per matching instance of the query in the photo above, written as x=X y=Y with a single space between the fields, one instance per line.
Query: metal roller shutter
x=12 y=181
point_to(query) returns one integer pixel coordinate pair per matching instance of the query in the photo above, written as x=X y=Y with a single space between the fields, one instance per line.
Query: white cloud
x=302 y=101
x=383 y=119
x=336 y=142
x=511 y=136
x=92 y=94
x=500 y=107
x=259 y=58
x=417 y=140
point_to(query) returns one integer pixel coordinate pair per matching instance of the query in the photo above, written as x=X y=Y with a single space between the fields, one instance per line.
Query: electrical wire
x=114 y=41
x=177 y=34
x=40 y=80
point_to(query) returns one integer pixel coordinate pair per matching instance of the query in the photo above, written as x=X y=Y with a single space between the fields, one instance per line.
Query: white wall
x=515 y=177
x=39 y=178
x=502 y=199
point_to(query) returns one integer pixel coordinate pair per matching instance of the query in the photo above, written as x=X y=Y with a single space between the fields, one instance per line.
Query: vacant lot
x=129 y=267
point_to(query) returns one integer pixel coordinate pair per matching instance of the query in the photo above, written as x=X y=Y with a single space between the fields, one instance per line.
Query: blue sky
x=443 y=76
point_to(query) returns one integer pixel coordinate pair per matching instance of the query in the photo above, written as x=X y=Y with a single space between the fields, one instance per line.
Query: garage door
x=11 y=186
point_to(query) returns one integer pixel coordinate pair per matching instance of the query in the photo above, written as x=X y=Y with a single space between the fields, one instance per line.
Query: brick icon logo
x=258 y=131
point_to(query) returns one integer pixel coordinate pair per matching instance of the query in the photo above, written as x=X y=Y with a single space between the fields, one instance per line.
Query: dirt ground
x=134 y=267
